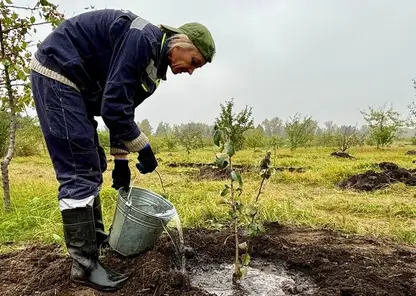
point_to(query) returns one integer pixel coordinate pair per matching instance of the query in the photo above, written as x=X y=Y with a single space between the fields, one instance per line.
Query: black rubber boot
x=102 y=237
x=80 y=239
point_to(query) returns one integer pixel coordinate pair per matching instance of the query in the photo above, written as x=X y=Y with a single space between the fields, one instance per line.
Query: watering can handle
x=134 y=181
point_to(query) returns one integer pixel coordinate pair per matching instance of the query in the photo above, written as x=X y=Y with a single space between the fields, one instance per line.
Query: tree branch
x=20 y=7
x=23 y=25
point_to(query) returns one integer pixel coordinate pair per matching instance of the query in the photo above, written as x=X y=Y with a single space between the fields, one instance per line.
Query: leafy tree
x=189 y=135
x=300 y=131
x=273 y=127
x=163 y=129
x=326 y=136
x=383 y=123
x=145 y=127
x=254 y=138
x=237 y=123
x=346 y=137
x=17 y=24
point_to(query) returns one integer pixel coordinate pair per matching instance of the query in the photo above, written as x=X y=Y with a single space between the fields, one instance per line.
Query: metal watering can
x=138 y=220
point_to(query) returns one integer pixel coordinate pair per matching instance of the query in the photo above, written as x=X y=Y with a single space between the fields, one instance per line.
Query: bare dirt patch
x=335 y=264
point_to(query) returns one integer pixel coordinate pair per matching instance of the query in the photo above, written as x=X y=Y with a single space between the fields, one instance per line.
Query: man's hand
x=147 y=160
x=121 y=174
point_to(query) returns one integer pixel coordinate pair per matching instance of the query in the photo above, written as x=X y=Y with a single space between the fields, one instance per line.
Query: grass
x=308 y=199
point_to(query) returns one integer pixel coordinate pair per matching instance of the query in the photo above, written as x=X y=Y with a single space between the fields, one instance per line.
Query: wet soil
x=372 y=180
x=209 y=171
x=342 y=154
x=338 y=265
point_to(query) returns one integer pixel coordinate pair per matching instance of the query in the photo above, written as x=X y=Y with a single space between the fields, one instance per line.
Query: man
x=103 y=63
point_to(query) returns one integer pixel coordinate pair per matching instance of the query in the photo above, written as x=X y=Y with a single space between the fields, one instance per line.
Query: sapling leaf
x=243 y=246
x=239 y=190
x=245 y=259
x=252 y=210
x=225 y=191
x=221 y=161
x=217 y=137
x=252 y=229
x=230 y=148
x=238 y=205
x=237 y=178
x=260 y=227
x=243 y=271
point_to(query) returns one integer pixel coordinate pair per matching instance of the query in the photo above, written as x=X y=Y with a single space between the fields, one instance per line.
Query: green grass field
x=309 y=199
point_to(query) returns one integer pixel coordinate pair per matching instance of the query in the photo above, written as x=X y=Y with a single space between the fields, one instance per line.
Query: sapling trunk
x=234 y=208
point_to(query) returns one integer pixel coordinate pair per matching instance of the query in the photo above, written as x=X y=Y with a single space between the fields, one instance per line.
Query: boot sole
x=97 y=287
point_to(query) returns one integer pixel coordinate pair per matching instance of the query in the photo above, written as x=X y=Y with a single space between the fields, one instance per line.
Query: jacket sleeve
x=131 y=56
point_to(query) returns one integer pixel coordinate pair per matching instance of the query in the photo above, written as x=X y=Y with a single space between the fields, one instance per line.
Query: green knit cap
x=199 y=35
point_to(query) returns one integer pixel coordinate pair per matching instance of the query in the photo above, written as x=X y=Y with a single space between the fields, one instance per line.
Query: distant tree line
x=383 y=127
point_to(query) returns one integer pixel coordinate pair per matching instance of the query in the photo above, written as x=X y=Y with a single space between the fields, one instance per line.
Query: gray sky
x=323 y=58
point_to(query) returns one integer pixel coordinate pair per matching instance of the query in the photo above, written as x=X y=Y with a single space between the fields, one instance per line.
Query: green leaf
x=252 y=210
x=9 y=2
x=21 y=75
x=225 y=191
x=239 y=190
x=217 y=137
x=245 y=259
x=242 y=246
x=238 y=205
x=32 y=19
x=260 y=227
x=56 y=237
x=221 y=161
x=243 y=271
x=235 y=176
x=230 y=148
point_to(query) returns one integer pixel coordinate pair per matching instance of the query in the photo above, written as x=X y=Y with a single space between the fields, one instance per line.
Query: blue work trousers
x=70 y=132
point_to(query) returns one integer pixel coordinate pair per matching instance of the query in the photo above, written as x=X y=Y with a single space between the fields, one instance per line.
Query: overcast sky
x=325 y=58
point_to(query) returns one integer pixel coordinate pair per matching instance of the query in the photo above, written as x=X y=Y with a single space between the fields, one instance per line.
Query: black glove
x=121 y=174
x=147 y=160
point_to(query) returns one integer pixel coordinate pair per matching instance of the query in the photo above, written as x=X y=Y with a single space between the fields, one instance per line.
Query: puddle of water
x=262 y=279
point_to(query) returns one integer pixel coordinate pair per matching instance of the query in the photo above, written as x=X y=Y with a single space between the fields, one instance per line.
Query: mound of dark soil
x=338 y=265
x=372 y=180
x=342 y=154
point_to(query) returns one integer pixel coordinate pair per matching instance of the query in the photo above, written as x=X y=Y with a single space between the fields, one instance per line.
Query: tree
x=254 y=138
x=145 y=127
x=346 y=137
x=17 y=23
x=326 y=136
x=383 y=123
x=273 y=127
x=237 y=123
x=189 y=135
x=300 y=131
x=163 y=129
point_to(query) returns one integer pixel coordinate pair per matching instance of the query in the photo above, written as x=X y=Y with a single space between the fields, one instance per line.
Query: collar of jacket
x=162 y=66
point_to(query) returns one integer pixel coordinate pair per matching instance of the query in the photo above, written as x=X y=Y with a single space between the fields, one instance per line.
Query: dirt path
x=336 y=264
